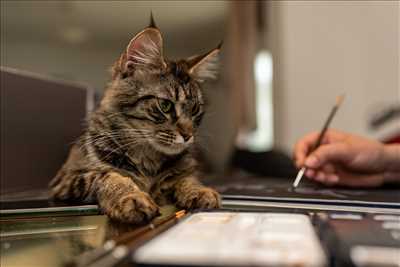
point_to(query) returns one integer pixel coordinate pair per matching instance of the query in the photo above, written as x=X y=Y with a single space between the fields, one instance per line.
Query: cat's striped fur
x=136 y=153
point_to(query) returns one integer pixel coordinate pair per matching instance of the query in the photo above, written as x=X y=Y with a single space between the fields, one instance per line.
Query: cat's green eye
x=165 y=105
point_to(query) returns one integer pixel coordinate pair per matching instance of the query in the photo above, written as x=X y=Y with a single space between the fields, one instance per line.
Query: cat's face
x=160 y=101
x=167 y=110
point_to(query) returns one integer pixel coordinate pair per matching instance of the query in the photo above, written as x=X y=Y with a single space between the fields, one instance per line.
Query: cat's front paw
x=199 y=198
x=137 y=208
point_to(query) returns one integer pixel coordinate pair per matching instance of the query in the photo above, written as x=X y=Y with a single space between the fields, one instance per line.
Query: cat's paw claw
x=200 y=198
x=136 y=208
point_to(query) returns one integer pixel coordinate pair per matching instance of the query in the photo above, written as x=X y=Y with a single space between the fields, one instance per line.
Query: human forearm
x=392 y=157
x=392 y=163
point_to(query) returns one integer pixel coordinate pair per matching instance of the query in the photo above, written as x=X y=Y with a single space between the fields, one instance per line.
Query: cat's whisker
x=116 y=133
x=90 y=135
x=122 y=138
x=165 y=138
x=104 y=143
x=119 y=148
x=103 y=138
x=166 y=142
x=138 y=131
x=204 y=147
x=202 y=140
x=169 y=141
x=167 y=135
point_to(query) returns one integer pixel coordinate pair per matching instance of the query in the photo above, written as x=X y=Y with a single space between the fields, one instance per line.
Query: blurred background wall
x=79 y=40
x=326 y=48
x=319 y=50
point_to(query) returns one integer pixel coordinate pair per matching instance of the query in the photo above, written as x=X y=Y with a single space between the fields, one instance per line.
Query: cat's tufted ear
x=204 y=66
x=146 y=49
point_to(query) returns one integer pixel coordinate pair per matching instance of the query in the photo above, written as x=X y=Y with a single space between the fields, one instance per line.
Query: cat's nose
x=186 y=136
x=185 y=128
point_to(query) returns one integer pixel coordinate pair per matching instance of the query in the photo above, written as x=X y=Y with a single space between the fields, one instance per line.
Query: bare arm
x=392 y=162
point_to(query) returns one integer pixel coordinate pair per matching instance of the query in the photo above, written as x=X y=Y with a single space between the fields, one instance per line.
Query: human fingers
x=329 y=153
x=331 y=179
x=304 y=145
x=323 y=177
x=327 y=174
x=320 y=176
x=302 y=148
x=329 y=168
x=316 y=175
x=310 y=173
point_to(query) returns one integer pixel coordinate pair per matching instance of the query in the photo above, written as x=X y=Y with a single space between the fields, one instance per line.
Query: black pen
x=321 y=135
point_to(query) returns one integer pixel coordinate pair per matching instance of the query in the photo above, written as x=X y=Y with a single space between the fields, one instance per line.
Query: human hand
x=344 y=159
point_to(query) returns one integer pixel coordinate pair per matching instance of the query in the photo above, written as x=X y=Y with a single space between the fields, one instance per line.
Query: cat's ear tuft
x=152 y=22
x=205 y=66
x=146 y=50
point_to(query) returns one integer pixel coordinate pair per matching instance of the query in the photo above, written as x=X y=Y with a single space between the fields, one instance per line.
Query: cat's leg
x=75 y=184
x=189 y=193
x=117 y=195
x=121 y=199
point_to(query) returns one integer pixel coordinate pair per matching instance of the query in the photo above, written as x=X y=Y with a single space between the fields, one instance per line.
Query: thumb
x=327 y=153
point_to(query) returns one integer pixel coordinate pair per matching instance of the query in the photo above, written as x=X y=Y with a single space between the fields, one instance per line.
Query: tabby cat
x=137 y=150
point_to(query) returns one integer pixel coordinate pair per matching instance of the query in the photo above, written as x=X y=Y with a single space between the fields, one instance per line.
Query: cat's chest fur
x=152 y=167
